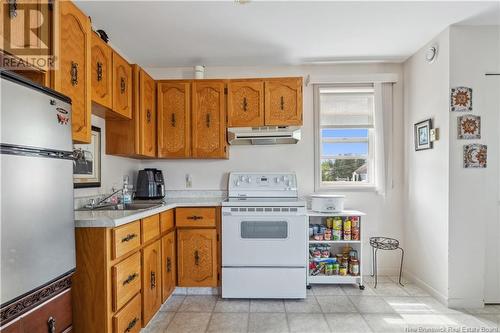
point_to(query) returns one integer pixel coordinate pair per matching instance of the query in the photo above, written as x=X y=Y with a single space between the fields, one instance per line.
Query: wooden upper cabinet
x=151 y=281
x=209 y=120
x=73 y=75
x=122 y=86
x=147 y=115
x=245 y=103
x=174 y=107
x=283 y=102
x=168 y=264
x=17 y=34
x=102 y=72
x=197 y=257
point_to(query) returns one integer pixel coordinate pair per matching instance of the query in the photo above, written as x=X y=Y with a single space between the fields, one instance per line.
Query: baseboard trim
x=420 y=283
x=461 y=303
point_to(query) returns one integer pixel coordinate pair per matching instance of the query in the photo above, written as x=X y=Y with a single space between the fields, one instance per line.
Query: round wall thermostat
x=431 y=53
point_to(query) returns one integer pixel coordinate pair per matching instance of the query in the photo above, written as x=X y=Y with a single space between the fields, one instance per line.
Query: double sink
x=114 y=207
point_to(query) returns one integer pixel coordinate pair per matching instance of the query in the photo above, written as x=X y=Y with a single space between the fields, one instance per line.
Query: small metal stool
x=384 y=243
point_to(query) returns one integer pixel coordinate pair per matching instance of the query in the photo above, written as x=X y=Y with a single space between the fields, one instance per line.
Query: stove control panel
x=278 y=184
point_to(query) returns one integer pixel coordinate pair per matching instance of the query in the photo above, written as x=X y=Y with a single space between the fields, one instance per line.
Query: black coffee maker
x=150 y=184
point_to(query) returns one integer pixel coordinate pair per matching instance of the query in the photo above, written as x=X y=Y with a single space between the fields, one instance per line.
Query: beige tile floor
x=388 y=308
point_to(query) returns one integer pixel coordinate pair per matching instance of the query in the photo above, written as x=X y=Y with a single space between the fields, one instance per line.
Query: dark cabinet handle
x=245 y=104
x=130 y=278
x=169 y=265
x=208 y=120
x=131 y=325
x=196 y=258
x=129 y=237
x=194 y=217
x=148 y=115
x=51 y=323
x=282 y=103
x=153 y=280
x=99 y=71
x=122 y=85
x=172 y=119
x=74 y=73
x=12 y=8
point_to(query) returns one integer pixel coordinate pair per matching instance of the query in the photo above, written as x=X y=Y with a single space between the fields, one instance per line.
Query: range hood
x=267 y=135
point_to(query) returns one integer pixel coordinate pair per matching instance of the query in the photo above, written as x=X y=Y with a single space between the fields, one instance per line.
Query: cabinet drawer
x=128 y=320
x=56 y=312
x=167 y=220
x=126 y=280
x=125 y=239
x=195 y=217
x=150 y=228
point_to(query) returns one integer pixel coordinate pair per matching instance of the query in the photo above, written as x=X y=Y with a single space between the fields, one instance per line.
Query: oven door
x=264 y=240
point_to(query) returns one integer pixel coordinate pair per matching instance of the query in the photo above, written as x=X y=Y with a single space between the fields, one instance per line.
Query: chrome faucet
x=93 y=204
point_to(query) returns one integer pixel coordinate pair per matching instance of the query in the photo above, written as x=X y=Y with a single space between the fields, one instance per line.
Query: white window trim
x=338 y=186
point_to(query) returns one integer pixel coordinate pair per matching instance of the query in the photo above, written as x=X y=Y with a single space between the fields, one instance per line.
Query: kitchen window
x=345 y=143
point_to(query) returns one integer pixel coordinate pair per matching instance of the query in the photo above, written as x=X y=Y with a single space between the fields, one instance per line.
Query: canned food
x=354 y=267
x=347 y=235
x=329 y=222
x=355 y=234
x=337 y=223
x=336 y=268
x=347 y=225
x=329 y=269
x=325 y=253
x=336 y=234
x=343 y=271
x=328 y=234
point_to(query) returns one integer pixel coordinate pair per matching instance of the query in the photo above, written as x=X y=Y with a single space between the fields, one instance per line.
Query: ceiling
x=227 y=33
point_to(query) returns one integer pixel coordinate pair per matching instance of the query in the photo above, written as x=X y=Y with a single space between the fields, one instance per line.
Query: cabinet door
x=73 y=76
x=174 y=109
x=245 y=103
x=102 y=73
x=197 y=257
x=122 y=86
x=283 y=102
x=168 y=263
x=209 y=120
x=151 y=281
x=147 y=115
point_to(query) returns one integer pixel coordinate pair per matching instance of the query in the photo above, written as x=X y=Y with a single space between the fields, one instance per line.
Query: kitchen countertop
x=115 y=218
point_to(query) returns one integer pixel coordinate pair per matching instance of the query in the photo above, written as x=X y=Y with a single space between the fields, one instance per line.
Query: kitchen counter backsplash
x=80 y=202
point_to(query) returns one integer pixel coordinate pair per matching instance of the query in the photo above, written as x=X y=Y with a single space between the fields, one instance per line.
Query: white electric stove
x=264 y=237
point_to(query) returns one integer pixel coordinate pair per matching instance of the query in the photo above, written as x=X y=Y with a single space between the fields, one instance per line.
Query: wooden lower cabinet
x=151 y=281
x=128 y=319
x=124 y=274
x=168 y=264
x=197 y=257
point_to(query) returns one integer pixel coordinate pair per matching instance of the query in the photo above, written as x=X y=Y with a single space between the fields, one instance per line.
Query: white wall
x=384 y=214
x=474 y=225
x=426 y=89
x=113 y=168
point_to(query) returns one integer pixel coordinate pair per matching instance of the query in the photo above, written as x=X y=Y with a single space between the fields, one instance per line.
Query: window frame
x=320 y=186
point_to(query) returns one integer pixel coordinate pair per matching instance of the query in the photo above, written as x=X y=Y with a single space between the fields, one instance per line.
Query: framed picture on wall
x=422 y=135
x=87 y=163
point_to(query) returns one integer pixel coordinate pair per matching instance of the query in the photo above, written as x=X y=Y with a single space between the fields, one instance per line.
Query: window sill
x=347 y=187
